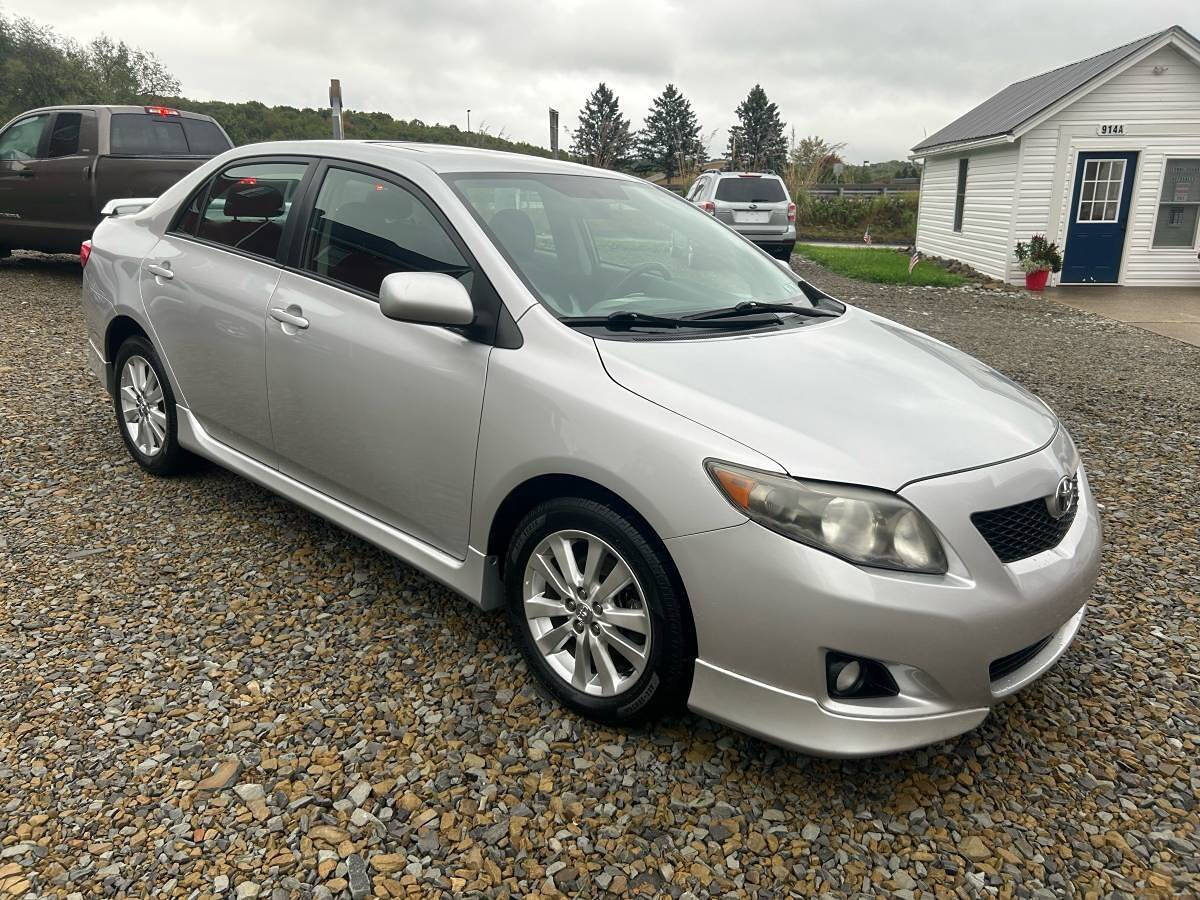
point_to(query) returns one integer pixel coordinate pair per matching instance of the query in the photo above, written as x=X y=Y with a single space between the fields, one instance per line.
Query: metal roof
x=1019 y=102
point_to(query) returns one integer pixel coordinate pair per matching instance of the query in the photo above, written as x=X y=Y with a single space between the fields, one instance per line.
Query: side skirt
x=472 y=577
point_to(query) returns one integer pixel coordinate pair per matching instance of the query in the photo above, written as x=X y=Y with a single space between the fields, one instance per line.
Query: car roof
x=113 y=108
x=441 y=158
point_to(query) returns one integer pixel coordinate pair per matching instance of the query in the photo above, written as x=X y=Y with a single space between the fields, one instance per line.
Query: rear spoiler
x=125 y=206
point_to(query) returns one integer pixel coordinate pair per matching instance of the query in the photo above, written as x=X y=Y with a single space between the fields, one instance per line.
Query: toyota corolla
x=689 y=475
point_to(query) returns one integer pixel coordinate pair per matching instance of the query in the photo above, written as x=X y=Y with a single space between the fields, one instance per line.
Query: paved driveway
x=1170 y=311
x=371 y=733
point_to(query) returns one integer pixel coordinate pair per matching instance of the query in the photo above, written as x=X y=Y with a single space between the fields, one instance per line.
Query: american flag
x=913 y=260
x=867 y=237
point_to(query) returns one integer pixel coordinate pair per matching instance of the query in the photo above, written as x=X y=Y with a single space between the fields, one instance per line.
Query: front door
x=382 y=415
x=1099 y=216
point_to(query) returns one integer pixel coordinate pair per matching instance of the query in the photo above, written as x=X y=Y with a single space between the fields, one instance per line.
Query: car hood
x=857 y=399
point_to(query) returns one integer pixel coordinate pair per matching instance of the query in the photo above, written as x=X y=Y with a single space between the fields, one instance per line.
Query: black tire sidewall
x=172 y=457
x=663 y=685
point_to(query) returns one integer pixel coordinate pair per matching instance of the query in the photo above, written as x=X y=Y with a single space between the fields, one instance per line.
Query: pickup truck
x=59 y=166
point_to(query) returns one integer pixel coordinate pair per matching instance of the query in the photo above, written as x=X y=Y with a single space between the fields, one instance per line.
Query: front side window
x=1179 y=205
x=64 y=137
x=245 y=207
x=22 y=140
x=620 y=246
x=1100 y=190
x=364 y=228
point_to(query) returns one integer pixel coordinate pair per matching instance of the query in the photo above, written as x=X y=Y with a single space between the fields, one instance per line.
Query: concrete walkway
x=1170 y=311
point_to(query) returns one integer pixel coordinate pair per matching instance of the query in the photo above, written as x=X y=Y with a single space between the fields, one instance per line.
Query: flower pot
x=1036 y=281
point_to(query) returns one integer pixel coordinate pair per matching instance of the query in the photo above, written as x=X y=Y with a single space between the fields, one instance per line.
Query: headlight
x=862 y=525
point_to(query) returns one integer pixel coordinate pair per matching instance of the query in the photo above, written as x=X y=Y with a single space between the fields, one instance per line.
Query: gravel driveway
x=373 y=734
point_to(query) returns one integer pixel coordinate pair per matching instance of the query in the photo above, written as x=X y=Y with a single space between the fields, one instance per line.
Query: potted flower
x=1038 y=259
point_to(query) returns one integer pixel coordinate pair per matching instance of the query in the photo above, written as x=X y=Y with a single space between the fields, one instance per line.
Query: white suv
x=754 y=204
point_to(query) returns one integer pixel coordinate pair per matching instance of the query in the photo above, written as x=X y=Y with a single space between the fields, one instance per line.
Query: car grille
x=1016 y=532
x=1006 y=665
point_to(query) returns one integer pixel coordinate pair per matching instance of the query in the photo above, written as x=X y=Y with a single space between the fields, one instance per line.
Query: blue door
x=1099 y=214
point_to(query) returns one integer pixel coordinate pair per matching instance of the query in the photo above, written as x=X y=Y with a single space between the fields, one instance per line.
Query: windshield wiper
x=624 y=320
x=750 y=307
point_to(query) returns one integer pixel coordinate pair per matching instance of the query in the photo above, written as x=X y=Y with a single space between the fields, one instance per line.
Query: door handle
x=163 y=271
x=288 y=318
x=24 y=173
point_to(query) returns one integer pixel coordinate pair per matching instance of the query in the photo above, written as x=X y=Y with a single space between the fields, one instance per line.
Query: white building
x=1102 y=156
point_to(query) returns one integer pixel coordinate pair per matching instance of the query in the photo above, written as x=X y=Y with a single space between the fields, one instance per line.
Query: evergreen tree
x=603 y=137
x=756 y=143
x=670 y=139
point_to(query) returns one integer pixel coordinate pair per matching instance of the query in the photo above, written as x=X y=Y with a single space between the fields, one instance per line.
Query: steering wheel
x=646 y=268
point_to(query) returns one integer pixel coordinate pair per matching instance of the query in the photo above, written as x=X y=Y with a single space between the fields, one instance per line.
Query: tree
x=814 y=158
x=670 y=138
x=603 y=137
x=38 y=67
x=756 y=142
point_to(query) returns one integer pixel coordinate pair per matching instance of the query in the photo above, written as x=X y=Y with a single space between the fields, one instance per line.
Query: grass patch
x=879 y=265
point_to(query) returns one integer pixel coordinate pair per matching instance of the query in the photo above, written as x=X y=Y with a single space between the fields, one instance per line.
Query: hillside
x=251 y=122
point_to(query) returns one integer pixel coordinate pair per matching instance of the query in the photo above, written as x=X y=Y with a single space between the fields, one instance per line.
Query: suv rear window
x=142 y=134
x=751 y=190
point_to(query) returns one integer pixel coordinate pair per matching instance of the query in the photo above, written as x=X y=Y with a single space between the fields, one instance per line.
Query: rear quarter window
x=204 y=137
x=751 y=190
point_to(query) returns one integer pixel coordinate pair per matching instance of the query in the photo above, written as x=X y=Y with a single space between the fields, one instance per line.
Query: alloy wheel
x=143 y=407
x=587 y=613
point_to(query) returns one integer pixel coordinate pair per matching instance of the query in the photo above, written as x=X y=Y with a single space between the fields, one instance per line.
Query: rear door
x=383 y=415
x=206 y=286
x=753 y=204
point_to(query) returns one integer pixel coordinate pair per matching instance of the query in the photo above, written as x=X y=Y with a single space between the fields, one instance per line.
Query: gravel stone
x=164 y=641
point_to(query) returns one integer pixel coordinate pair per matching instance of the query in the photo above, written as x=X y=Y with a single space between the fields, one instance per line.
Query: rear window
x=751 y=190
x=141 y=134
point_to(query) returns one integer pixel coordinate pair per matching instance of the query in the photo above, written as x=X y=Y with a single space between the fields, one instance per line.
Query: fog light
x=848 y=677
x=856 y=678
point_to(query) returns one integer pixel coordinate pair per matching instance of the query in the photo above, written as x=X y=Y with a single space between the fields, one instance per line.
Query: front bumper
x=768 y=609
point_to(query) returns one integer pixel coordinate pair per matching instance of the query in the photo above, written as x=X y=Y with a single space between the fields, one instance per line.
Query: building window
x=960 y=198
x=1100 y=196
x=1178 y=205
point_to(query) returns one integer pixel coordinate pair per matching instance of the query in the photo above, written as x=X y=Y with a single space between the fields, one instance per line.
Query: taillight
x=709 y=207
x=85 y=252
x=792 y=212
x=161 y=111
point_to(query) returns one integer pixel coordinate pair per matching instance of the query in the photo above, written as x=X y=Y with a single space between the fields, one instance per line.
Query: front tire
x=145 y=409
x=597 y=612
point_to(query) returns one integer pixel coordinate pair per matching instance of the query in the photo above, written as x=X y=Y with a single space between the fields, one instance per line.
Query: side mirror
x=427 y=298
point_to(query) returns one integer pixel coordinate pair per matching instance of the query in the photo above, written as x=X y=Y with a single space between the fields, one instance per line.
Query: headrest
x=514 y=230
x=253 y=201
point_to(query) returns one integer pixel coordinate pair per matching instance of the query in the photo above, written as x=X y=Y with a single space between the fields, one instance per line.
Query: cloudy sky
x=877 y=76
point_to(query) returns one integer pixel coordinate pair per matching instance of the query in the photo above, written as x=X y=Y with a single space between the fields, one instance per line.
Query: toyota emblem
x=1063 y=499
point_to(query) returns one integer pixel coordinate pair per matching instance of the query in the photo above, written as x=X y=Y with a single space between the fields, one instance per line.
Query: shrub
x=889 y=217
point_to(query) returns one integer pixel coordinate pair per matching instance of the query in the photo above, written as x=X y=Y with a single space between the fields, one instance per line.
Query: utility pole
x=554 y=132
x=335 y=107
x=468 y=120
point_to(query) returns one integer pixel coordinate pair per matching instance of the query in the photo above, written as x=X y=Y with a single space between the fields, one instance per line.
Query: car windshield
x=591 y=246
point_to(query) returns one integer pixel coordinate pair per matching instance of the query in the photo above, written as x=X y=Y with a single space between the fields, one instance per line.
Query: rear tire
x=616 y=646
x=145 y=408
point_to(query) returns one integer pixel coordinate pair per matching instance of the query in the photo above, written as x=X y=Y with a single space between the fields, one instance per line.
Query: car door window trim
x=489 y=308
x=300 y=196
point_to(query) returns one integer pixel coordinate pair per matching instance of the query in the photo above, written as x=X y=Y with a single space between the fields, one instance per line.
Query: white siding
x=1161 y=114
x=987 y=213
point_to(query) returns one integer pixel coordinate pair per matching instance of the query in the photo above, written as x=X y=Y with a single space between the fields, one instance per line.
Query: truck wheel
x=145 y=408
x=597 y=613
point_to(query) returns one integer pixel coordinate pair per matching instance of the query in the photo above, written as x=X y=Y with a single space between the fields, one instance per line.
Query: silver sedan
x=689 y=476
